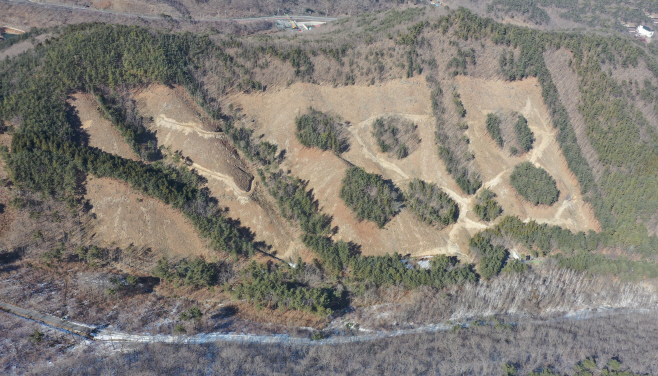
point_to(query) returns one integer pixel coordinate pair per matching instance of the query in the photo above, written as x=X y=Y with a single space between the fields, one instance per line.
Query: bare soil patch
x=481 y=97
x=125 y=217
x=359 y=106
x=180 y=125
x=274 y=115
x=100 y=131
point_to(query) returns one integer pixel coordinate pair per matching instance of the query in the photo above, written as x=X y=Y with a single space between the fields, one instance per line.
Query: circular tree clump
x=370 y=196
x=534 y=184
x=430 y=204
x=317 y=129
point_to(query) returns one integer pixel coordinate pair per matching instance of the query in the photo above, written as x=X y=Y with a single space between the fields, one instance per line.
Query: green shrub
x=278 y=288
x=395 y=136
x=163 y=270
x=179 y=329
x=196 y=273
x=430 y=204
x=534 y=184
x=296 y=203
x=492 y=258
x=317 y=129
x=132 y=280
x=36 y=337
x=524 y=135
x=193 y=313
x=317 y=336
x=514 y=266
x=493 y=127
x=448 y=143
x=370 y=196
x=456 y=99
x=486 y=207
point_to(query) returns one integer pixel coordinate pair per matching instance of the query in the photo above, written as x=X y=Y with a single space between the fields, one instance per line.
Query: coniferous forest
x=534 y=184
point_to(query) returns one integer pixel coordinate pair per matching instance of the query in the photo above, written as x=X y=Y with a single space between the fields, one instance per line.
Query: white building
x=644 y=31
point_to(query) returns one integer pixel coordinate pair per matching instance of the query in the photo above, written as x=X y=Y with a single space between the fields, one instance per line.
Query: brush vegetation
x=430 y=204
x=317 y=129
x=396 y=136
x=370 y=196
x=524 y=135
x=493 y=128
x=534 y=184
x=486 y=207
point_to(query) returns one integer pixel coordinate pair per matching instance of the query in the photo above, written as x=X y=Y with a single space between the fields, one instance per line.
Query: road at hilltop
x=151 y=17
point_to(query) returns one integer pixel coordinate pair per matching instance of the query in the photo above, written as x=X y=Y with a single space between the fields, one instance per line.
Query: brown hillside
x=274 y=113
x=181 y=126
x=481 y=97
x=124 y=217
x=102 y=134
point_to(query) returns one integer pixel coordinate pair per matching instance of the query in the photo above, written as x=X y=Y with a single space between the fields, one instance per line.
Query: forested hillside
x=601 y=13
x=43 y=132
x=607 y=139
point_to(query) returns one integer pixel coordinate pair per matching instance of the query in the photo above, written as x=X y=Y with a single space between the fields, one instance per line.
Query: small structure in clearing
x=644 y=31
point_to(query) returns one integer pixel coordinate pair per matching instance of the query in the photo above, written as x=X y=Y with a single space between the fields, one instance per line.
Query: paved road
x=151 y=17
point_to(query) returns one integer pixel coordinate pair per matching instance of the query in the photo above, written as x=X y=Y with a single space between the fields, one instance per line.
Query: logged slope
x=180 y=126
x=360 y=106
x=482 y=97
x=99 y=131
x=124 y=217
x=213 y=70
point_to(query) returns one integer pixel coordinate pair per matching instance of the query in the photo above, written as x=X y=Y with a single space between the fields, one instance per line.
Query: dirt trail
x=180 y=125
x=125 y=217
x=481 y=97
x=187 y=128
x=274 y=114
x=242 y=196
